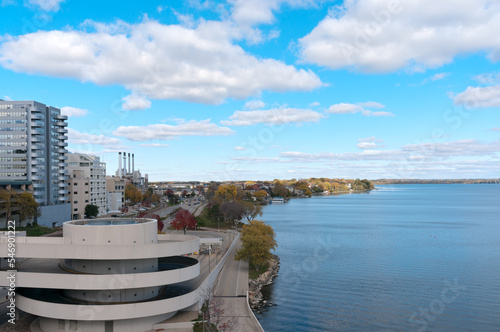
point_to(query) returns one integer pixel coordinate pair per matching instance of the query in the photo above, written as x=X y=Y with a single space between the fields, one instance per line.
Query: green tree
x=91 y=211
x=28 y=207
x=258 y=240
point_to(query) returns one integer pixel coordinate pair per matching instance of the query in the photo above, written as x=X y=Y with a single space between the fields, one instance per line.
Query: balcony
x=63 y=144
x=37 y=130
x=37 y=138
x=38 y=185
x=62 y=164
x=62 y=171
x=62 y=137
x=61 y=130
x=38 y=116
x=62 y=157
x=62 y=178
x=37 y=153
x=62 y=151
x=36 y=176
x=62 y=199
x=37 y=162
x=63 y=192
x=63 y=184
x=61 y=117
x=61 y=124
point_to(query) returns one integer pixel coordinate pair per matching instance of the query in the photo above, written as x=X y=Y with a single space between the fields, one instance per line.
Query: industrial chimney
x=125 y=163
x=119 y=164
x=133 y=162
x=129 y=162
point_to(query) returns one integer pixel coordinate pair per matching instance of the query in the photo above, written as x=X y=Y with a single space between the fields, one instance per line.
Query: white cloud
x=479 y=97
x=488 y=78
x=169 y=132
x=156 y=61
x=370 y=139
x=73 y=112
x=7 y=98
x=78 y=138
x=344 y=108
x=47 y=5
x=156 y=145
x=439 y=76
x=315 y=104
x=239 y=148
x=387 y=35
x=254 y=104
x=273 y=116
x=367 y=145
x=135 y=103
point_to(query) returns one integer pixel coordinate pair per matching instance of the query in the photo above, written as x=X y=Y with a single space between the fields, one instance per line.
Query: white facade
x=115 y=191
x=104 y=276
x=95 y=171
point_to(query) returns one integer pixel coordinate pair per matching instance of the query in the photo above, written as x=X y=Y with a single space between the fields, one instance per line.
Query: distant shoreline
x=444 y=181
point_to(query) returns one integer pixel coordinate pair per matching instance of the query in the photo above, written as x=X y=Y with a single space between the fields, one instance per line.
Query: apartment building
x=33 y=141
x=115 y=189
x=88 y=176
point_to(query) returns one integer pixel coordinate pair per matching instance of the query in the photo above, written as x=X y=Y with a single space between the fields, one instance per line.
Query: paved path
x=232 y=289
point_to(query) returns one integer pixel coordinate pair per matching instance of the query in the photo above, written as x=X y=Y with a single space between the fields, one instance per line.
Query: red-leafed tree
x=184 y=220
x=153 y=216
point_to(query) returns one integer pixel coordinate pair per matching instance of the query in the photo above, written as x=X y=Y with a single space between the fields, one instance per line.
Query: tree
x=28 y=207
x=251 y=210
x=226 y=192
x=133 y=194
x=7 y=201
x=258 y=240
x=153 y=216
x=232 y=210
x=280 y=190
x=184 y=220
x=91 y=210
x=260 y=194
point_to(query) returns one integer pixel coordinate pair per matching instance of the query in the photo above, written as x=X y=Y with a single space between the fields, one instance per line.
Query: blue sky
x=265 y=89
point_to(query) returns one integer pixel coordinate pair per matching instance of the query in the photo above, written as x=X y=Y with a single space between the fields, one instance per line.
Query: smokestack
x=133 y=162
x=119 y=164
x=129 y=162
x=124 y=163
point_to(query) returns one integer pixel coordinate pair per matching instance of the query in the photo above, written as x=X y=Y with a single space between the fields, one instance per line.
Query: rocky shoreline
x=255 y=285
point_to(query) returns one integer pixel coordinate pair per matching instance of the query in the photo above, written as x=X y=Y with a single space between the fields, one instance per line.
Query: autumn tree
x=133 y=194
x=184 y=220
x=251 y=210
x=280 y=190
x=7 y=201
x=28 y=207
x=260 y=194
x=258 y=239
x=153 y=216
x=225 y=192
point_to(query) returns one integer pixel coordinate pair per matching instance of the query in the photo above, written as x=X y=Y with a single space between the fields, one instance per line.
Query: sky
x=266 y=89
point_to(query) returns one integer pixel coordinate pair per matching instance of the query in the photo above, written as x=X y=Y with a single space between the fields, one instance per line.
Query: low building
x=104 y=276
x=79 y=193
x=115 y=191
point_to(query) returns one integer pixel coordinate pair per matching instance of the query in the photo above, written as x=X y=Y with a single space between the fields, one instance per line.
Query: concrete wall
x=54 y=215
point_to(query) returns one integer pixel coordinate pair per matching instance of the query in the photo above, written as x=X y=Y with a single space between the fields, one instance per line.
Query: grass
x=35 y=230
x=253 y=274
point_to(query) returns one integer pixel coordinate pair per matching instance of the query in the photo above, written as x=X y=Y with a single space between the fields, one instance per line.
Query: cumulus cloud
x=169 y=132
x=344 y=108
x=386 y=35
x=439 y=76
x=156 y=61
x=74 y=112
x=479 y=97
x=47 y=5
x=156 y=145
x=254 y=104
x=135 y=103
x=369 y=143
x=79 y=138
x=275 y=116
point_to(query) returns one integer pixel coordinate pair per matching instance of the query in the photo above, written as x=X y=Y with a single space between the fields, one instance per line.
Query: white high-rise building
x=88 y=167
x=33 y=141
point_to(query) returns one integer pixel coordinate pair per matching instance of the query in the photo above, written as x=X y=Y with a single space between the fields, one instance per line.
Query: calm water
x=402 y=258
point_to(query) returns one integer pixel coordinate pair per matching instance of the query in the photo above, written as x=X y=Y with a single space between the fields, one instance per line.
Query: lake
x=400 y=258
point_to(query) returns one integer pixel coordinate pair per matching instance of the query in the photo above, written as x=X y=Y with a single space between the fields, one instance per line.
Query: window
x=75 y=193
x=75 y=202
